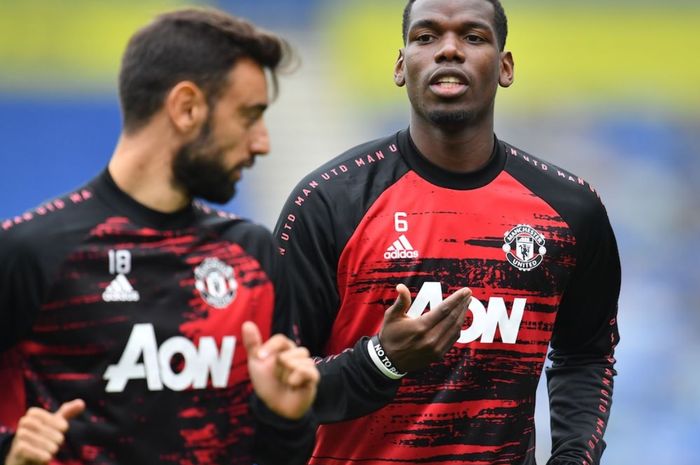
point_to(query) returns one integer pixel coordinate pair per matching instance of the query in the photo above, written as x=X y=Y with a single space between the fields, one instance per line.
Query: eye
x=252 y=116
x=474 y=39
x=424 y=38
x=253 y=120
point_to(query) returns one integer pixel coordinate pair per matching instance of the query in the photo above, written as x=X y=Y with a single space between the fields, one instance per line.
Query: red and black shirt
x=534 y=244
x=139 y=313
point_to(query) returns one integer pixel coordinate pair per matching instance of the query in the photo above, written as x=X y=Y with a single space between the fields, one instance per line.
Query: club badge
x=524 y=247
x=216 y=282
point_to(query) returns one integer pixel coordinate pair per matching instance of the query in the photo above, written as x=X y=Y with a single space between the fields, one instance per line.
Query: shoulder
x=361 y=155
x=47 y=223
x=569 y=194
x=372 y=164
x=254 y=238
x=361 y=161
x=229 y=225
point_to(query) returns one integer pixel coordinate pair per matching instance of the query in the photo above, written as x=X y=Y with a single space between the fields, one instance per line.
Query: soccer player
x=123 y=304
x=445 y=204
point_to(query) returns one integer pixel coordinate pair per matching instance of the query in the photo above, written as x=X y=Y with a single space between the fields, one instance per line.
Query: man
x=446 y=204
x=125 y=299
x=123 y=304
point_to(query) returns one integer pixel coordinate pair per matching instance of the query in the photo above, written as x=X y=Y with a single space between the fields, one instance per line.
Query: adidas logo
x=120 y=290
x=401 y=248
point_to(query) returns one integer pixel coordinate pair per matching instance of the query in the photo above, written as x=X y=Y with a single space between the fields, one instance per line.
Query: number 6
x=400 y=223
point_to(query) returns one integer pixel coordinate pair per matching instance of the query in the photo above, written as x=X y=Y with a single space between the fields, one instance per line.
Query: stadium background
x=608 y=90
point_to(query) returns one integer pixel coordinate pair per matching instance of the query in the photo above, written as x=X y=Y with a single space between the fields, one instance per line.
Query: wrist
x=381 y=360
x=6 y=437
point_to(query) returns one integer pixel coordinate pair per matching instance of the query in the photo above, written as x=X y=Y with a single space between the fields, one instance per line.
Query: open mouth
x=449 y=84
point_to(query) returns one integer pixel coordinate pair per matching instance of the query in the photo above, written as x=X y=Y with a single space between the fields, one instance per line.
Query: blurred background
x=608 y=90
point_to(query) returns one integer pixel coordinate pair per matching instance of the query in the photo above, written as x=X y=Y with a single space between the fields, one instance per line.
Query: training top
x=139 y=313
x=534 y=244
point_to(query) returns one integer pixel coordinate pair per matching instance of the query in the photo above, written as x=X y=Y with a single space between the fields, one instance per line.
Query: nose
x=260 y=140
x=450 y=49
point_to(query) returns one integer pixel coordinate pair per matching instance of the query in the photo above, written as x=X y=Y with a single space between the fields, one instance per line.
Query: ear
x=186 y=105
x=507 y=69
x=399 y=72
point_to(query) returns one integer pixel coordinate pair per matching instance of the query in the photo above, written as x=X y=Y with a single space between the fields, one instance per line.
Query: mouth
x=449 y=83
x=237 y=171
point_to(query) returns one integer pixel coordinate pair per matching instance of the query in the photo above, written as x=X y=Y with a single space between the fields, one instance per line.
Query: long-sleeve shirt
x=139 y=313
x=534 y=244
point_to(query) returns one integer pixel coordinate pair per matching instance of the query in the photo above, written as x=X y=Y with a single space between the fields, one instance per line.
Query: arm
x=403 y=344
x=23 y=284
x=22 y=287
x=40 y=434
x=352 y=383
x=285 y=379
x=580 y=381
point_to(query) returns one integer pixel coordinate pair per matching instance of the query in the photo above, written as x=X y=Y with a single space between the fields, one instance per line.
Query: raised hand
x=284 y=376
x=41 y=433
x=413 y=343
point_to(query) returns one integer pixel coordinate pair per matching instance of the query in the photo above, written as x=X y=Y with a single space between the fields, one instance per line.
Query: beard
x=198 y=169
x=450 y=119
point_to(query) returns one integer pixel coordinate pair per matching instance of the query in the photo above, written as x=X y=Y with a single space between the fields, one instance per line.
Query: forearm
x=5 y=443
x=279 y=441
x=580 y=397
x=351 y=385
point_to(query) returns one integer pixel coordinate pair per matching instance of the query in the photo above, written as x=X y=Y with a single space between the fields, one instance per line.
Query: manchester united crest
x=216 y=282
x=524 y=247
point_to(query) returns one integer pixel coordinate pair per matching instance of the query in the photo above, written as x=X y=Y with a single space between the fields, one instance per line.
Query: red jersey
x=534 y=244
x=139 y=313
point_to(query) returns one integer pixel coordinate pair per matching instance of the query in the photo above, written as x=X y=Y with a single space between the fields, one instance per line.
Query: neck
x=141 y=166
x=461 y=150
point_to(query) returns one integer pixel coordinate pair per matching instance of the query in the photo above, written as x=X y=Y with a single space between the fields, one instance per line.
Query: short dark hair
x=200 y=45
x=500 y=21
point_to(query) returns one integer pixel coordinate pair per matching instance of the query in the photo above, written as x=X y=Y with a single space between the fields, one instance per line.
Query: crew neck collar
x=105 y=187
x=450 y=179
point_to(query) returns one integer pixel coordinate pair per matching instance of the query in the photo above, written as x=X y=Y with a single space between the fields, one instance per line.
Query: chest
x=167 y=305
x=509 y=246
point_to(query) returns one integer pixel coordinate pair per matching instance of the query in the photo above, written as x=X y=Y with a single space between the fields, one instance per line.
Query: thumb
x=401 y=304
x=71 y=409
x=252 y=339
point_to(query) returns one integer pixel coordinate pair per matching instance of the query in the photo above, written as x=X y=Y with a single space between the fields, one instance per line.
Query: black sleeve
x=580 y=380
x=279 y=441
x=23 y=285
x=351 y=386
x=309 y=258
x=5 y=443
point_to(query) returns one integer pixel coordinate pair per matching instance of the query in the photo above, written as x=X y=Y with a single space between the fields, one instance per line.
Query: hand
x=40 y=434
x=413 y=343
x=284 y=376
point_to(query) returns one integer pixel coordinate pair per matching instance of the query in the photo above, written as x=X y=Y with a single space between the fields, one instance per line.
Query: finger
x=38 y=414
x=292 y=357
x=448 y=330
x=287 y=360
x=39 y=420
x=69 y=410
x=39 y=441
x=41 y=423
x=276 y=344
x=400 y=305
x=449 y=309
x=252 y=339
x=304 y=374
x=26 y=453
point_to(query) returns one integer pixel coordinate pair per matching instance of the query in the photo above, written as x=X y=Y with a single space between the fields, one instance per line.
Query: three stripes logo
x=120 y=290
x=401 y=248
